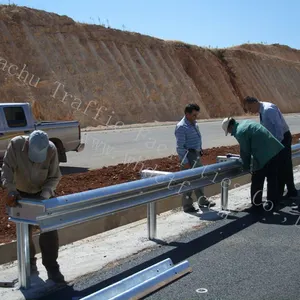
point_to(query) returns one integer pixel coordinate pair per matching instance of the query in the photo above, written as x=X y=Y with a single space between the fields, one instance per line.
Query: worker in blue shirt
x=189 y=149
x=272 y=118
x=259 y=152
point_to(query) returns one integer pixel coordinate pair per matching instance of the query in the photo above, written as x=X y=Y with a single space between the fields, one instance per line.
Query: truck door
x=17 y=121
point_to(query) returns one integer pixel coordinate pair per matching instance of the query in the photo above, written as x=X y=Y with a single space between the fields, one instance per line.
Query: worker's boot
x=33 y=267
x=49 y=245
x=291 y=194
x=56 y=276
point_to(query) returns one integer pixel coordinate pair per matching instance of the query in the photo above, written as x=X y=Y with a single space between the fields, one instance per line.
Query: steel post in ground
x=23 y=255
x=224 y=193
x=151 y=216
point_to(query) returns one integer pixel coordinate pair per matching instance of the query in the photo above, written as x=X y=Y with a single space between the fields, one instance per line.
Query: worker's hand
x=45 y=194
x=201 y=152
x=12 y=198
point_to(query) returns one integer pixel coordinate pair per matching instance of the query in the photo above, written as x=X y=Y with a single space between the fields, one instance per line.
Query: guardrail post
x=23 y=255
x=224 y=193
x=151 y=216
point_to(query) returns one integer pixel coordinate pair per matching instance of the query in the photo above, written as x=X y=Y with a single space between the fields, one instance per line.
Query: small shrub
x=220 y=53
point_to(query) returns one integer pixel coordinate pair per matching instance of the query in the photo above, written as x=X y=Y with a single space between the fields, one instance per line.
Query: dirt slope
x=99 y=75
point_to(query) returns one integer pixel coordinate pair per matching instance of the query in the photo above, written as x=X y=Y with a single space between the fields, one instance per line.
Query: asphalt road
x=111 y=147
x=244 y=257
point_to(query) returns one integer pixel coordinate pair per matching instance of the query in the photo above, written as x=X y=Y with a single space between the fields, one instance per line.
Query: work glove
x=12 y=198
x=45 y=194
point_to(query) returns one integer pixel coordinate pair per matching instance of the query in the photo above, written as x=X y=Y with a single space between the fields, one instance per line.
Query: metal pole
x=224 y=194
x=19 y=251
x=151 y=216
x=23 y=255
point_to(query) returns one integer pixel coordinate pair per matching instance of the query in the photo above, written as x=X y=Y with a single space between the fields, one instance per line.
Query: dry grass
x=179 y=44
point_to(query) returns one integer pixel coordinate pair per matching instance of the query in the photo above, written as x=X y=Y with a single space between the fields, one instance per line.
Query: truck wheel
x=62 y=157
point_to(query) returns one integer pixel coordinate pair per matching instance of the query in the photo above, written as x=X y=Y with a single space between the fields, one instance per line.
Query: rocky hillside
x=99 y=75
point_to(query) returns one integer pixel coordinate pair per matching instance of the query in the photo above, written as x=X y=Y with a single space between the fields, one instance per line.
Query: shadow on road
x=184 y=250
x=72 y=170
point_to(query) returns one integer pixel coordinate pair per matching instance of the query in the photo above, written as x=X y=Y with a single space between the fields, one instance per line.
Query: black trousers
x=269 y=171
x=286 y=175
x=48 y=242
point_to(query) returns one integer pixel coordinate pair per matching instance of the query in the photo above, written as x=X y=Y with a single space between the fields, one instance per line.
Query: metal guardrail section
x=143 y=283
x=225 y=178
x=77 y=208
x=60 y=212
x=151 y=207
x=296 y=150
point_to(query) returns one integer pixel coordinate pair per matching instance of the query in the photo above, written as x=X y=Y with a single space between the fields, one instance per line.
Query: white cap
x=225 y=124
x=38 y=146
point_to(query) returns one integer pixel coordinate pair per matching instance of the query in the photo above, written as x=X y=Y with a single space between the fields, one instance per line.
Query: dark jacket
x=256 y=141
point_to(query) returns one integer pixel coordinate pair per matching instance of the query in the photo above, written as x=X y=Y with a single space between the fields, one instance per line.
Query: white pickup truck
x=18 y=119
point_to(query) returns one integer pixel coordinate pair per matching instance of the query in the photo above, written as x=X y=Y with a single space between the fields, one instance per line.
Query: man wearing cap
x=256 y=141
x=189 y=150
x=272 y=118
x=31 y=170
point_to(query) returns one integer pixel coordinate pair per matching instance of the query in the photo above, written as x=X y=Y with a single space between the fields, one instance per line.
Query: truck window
x=15 y=116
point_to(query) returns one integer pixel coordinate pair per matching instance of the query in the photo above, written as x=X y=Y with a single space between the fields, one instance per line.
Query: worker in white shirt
x=272 y=118
x=189 y=149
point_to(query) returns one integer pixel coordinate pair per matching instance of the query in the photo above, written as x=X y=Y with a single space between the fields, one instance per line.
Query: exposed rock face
x=99 y=75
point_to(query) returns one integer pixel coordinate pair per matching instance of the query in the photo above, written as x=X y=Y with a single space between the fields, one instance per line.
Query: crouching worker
x=31 y=170
x=256 y=141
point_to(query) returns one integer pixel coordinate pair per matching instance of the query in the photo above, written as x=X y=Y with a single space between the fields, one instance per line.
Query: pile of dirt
x=127 y=172
x=103 y=76
x=112 y=175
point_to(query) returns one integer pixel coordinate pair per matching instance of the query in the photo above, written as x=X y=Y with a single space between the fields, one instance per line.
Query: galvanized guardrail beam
x=60 y=212
x=144 y=282
x=225 y=179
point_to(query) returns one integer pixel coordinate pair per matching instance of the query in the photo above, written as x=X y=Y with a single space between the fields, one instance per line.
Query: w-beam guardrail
x=64 y=211
x=144 y=282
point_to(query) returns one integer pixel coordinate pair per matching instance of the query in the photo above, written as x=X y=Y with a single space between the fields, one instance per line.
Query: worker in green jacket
x=259 y=152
